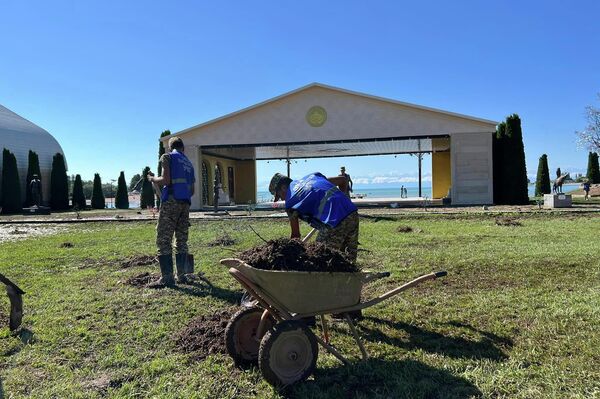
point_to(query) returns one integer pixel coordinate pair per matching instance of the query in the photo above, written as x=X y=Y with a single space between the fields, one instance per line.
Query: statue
x=36 y=190
x=558 y=183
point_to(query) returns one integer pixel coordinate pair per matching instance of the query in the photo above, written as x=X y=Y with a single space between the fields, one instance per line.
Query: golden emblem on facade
x=316 y=116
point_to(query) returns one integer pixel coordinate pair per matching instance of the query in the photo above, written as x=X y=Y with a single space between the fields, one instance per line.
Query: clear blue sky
x=106 y=77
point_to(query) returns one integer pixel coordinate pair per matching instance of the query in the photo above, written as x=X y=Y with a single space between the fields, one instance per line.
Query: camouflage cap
x=275 y=182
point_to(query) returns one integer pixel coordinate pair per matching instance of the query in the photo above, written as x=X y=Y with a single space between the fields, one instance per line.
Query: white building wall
x=472 y=168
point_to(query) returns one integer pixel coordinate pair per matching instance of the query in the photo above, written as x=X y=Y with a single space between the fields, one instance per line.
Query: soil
x=506 y=221
x=204 y=335
x=66 y=245
x=286 y=254
x=138 y=260
x=142 y=280
x=223 y=241
x=404 y=229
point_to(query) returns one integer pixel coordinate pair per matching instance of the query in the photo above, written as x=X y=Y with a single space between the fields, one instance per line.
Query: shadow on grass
x=25 y=336
x=488 y=347
x=208 y=289
x=385 y=379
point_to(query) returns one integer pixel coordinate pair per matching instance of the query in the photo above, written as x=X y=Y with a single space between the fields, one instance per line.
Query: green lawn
x=517 y=316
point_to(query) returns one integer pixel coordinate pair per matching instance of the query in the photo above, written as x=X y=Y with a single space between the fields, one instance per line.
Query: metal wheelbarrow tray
x=273 y=332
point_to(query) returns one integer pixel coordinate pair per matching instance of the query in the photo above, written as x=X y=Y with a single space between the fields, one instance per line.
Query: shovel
x=15 y=294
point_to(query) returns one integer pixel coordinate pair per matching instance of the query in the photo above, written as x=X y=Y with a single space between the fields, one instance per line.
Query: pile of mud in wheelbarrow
x=288 y=282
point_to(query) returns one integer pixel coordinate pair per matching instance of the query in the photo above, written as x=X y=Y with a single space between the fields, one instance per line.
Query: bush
x=147 y=195
x=59 y=184
x=33 y=168
x=122 y=198
x=78 y=196
x=11 y=188
x=542 y=183
x=98 y=201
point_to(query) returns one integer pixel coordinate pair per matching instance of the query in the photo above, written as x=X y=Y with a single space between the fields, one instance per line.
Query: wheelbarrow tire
x=288 y=354
x=240 y=335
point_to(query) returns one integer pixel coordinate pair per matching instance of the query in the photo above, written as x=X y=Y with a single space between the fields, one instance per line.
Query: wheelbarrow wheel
x=240 y=335
x=288 y=354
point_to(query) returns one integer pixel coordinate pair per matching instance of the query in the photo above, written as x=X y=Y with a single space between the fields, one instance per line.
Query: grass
x=516 y=317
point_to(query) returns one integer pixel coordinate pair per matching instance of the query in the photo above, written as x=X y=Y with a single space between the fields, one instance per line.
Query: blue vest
x=318 y=201
x=182 y=179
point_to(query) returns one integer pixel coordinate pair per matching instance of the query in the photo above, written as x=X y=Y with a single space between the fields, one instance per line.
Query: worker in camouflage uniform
x=177 y=189
x=321 y=202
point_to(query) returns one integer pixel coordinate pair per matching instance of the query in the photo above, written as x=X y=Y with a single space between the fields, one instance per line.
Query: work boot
x=166 y=270
x=181 y=261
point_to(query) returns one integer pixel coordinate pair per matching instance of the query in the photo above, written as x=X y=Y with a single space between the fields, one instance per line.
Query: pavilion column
x=193 y=152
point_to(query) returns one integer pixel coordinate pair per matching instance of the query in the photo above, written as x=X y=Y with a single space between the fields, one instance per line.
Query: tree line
x=65 y=191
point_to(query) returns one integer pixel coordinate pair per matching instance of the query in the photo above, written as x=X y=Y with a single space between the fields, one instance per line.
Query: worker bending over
x=321 y=202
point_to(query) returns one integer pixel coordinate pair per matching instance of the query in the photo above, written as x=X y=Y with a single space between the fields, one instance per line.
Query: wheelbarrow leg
x=365 y=356
x=325 y=329
x=332 y=350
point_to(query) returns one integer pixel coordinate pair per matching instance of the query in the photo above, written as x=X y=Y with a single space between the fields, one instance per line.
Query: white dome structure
x=18 y=135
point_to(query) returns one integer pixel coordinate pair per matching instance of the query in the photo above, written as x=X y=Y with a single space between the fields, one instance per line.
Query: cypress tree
x=542 y=183
x=98 y=201
x=593 y=169
x=161 y=151
x=78 y=196
x=498 y=147
x=516 y=171
x=147 y=195
x=122 y=198
x=33 y=168
x=11 y=187
x=59 y=184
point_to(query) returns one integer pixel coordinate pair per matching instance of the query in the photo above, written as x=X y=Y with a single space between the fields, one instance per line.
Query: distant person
x=347 y=176
x=177 y=182
x=36 y=190
x=402 y=192
x=586 y=190
x=321 y=202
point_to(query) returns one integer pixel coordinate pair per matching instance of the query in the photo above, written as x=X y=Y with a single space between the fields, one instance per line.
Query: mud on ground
x=223 y=241
x=204 y=335
x=508 y=221
x=142 y=280
x=286 y=254
x=138 y=260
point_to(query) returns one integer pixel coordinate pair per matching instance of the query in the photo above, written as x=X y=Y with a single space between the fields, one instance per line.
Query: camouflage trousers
x=173 y=219
x=343 y=237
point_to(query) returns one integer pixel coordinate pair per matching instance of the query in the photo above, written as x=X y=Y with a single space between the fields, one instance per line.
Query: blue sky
x=105 y=78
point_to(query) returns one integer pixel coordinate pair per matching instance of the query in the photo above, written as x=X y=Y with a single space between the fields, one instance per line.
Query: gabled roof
x=335 y=89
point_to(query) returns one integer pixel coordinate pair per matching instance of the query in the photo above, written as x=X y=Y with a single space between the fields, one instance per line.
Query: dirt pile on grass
x=508 y=221
x=285 y=254
x=223 y=241
x=142 y=280
x=204 y=335
x=139 y=260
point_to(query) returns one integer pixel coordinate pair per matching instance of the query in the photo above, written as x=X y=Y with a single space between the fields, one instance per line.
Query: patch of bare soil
x=66 y=245
x=142 y=280
x=286 y=254
x=408 y=229
x=12 y=233
x=204 y=335
x=508 y=221
x=223 y=241
x=138 y=260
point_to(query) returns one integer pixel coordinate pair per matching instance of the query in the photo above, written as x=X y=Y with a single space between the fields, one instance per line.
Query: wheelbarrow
x=272 y=331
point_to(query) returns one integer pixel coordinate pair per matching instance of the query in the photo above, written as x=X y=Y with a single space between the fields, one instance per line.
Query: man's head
x=279 y=185
x=343 y=169
x=35 y=176
x=175 y=143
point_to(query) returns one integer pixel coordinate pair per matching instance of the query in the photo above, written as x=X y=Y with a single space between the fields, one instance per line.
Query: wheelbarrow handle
x=441 y=273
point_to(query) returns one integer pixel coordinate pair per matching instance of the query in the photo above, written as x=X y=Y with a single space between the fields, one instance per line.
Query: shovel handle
x=310 y=234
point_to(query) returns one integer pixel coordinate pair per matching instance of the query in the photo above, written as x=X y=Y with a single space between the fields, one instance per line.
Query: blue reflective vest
x=318 y=201
x=182 y=179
